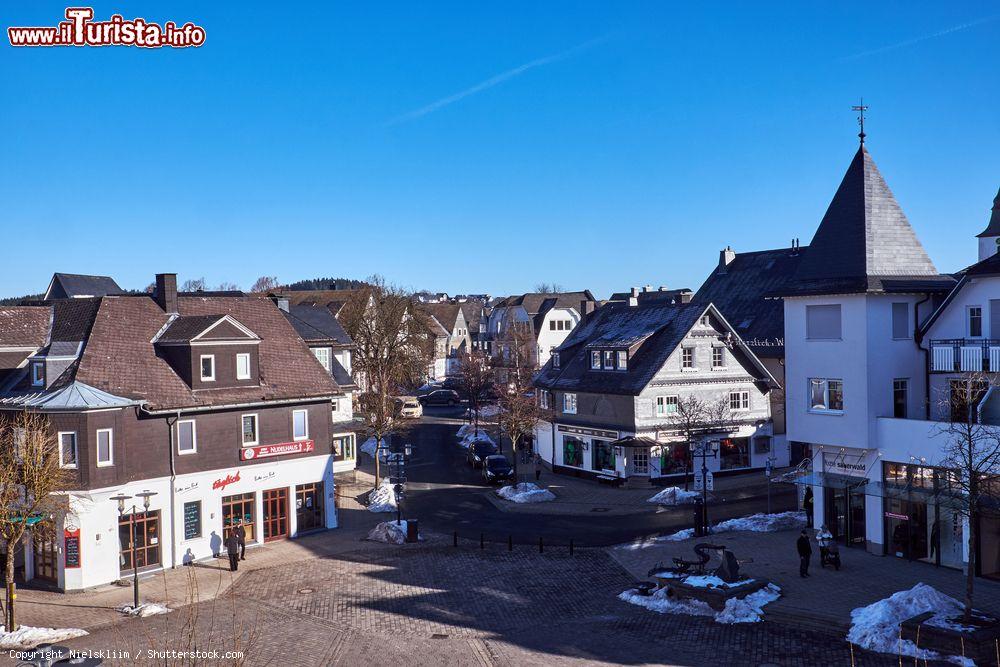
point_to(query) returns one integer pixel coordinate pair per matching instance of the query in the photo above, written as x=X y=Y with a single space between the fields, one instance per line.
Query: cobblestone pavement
x=437 y=605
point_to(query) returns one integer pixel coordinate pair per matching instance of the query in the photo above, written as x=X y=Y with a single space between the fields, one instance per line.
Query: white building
x=549 y=317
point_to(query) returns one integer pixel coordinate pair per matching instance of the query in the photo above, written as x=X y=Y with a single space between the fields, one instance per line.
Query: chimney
x=663 y=288
x=686 y=297
x=280 y=301
x=647 y=288
x=166 y=292
x=726 y=258
x=634 y=292
x=587 y=307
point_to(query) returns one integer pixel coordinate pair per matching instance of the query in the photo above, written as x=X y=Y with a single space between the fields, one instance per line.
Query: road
x=447 y=495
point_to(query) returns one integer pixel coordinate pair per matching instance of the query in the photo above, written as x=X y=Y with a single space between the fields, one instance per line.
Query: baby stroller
x=830 y=555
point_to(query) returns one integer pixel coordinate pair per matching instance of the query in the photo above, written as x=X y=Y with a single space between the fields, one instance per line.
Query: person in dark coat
x=233 y=549
x=807 y=505
x=805 y=553
x=538 y=466
x=241 y=535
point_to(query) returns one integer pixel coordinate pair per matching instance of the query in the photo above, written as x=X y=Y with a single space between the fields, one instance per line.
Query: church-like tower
x=989 y=238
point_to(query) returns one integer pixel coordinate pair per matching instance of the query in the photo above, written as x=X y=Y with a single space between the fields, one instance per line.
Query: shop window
x=604 y=455
x=147 y=539
x=240 y=507
x=734 y=453
x=673 y=458
x=572 y=451
x=309 y=506
x=343 y=448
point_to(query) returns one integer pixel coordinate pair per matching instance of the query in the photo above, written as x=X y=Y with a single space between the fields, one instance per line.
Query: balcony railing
x=965 y=355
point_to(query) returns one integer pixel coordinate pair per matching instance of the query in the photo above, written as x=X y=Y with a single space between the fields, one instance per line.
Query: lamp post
x=704 y=451
x=121 y=498
x=397 y=475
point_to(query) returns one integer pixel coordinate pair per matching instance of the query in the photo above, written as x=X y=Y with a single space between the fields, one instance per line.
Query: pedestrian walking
x=807 y=506
x=538 y=466
x=233 y=550
x=805 y=553
x=241 y=535
x=824 y=537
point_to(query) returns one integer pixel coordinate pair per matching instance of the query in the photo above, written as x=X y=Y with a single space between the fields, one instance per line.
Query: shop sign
x=285 y=448
x=220 y=484
x=592 y=432
x=893 y=515
x=851 y=465
x=71 y=548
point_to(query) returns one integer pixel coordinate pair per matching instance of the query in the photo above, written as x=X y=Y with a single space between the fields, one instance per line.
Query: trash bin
x=411 y=530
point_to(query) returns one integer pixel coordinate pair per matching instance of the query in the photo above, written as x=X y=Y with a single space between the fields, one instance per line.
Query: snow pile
x=389 y=532
x=712 y=581
x=743 y=610
x=28 y=637
x=876 y=627
x=685 y=534
x=486 y=411
x=369 y=446
x=526 y=492
x=429 y=385
x=755 y=523
x=467 y=441
x=674 y=495
x=144 y=610
x=382 y=499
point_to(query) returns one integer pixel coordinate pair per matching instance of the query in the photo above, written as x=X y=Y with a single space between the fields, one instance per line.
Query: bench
x=610 y=479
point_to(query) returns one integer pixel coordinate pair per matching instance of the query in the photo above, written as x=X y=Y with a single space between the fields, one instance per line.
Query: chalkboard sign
x=72 y=547
x=192 y=520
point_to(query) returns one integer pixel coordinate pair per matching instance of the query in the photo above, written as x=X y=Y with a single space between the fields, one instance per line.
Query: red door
x=275 y=514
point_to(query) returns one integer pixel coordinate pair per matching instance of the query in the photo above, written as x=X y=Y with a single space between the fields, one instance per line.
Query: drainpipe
x=917 y=340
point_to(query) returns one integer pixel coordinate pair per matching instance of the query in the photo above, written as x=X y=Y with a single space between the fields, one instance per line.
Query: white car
x=410 y=408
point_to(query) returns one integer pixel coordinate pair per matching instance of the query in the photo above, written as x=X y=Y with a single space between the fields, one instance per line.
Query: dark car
x=441 y=397
x=452 y=383
x=478 y=451
x=497 y=469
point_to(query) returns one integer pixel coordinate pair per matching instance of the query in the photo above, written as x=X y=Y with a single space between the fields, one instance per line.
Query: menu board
x=72 y=547
x=192 y=520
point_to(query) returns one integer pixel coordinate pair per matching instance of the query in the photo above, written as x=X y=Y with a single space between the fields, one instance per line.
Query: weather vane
x=861 y=109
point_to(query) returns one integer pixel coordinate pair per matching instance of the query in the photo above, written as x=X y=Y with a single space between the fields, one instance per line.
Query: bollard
x=571 y=547
x=482 y=541
x=455 y=539
x=510 y=543
x=541 y=549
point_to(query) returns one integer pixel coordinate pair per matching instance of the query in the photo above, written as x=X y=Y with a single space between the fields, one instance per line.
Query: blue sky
x=486 y=148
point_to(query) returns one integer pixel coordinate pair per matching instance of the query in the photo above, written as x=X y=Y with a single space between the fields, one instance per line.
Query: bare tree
x=30 y=474
x=695 y=417
x=193 y=285
x=972 y=457
x=392 y=352
x=514 y=370
x=264 y=284
x=226 y=286
x=475 y=376
x=548 y=288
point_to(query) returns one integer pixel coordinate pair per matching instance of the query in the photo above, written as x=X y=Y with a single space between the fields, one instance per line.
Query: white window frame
x=663 y=402
x=569 y=404
x=742 y=397
x=76 y=450
x=201 y=367
x=111 y=447
x=621 y=360
x=826 y=396
x=685 y=350
x=305 y=422
x=243 y=376
x=335 y=405
x=194 y=437
x=722 y=358
x=555 y=360
x=543 y=399
x=256 y=429
x=37 y=374
x=595 y=360
x=328 y=352
x=968 y=320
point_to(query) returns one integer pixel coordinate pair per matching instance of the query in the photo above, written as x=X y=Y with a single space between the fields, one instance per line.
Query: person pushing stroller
x=829 y=552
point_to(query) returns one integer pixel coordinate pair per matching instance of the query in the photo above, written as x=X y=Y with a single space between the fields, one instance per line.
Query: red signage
x=266 y=451
x=225 y=481
x=72 y=547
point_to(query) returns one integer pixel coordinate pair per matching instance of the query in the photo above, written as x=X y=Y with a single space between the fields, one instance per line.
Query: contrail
x=494 y=81
x=915 y=40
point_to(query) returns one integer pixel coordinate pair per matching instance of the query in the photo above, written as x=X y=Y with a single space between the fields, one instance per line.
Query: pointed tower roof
x=993 y=229
x=863 y=239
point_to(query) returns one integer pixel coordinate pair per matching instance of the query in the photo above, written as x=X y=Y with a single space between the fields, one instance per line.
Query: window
x=343 y=448
x=207 y=367
x=965 y=398
x=687 y=357
x=975 y=321
x=67 y=450
x=718 y=358
x=300 y=424
x=569 y=404
x=249 y=429
x=609 y=360
x=552 y=325
x=105 y=447
x=335 y=405
x=826 y=395
x=147 y=539
x=640 y=461
x=192 y=520
x=187 y=438
x=595 y=359
x=705 y=321
x=900 y=321
x=823 y=322
x=666 y=405
x=899 y=390
x=543 y=399
x=243 y=366
x=572 y=451
x=622 y=360
x=762 y=444
x=603 y=455
x=734 y=453
x=555 y=360
x=322 y=355
x=37 y=374
x=739 y=400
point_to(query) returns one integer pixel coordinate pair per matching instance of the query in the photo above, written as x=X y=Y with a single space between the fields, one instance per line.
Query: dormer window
x=609 y=360
x=595 y=360
x=622 y=360
x=555 y=360
x=243 y=366
x=37 y=374
x=208 y=368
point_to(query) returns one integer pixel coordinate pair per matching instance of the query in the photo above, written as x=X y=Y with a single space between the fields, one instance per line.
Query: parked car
x=409 y=407
x=452 y=383
x=497 y=469
x=441 y=397
x=478 y=451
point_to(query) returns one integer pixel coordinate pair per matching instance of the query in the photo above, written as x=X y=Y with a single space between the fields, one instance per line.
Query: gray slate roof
x=73 y=285
x=993 y=228
x=184 y=328
x=72 y=396
x=863 y=237
x=315 y=323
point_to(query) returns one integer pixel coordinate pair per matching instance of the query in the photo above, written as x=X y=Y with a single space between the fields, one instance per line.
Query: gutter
x=255 y=404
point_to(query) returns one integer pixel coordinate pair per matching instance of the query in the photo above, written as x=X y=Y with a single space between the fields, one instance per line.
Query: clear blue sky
x=471 y=148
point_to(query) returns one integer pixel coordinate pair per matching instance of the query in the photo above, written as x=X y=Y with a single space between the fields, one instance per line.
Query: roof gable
x=204 y=328
x=74 y=286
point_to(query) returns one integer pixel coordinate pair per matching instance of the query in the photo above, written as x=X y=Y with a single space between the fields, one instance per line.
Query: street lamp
x=397 y=475
x=121 y=498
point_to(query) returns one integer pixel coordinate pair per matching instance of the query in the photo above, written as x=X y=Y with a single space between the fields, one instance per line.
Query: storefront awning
x=828 y=480
x=634 y=441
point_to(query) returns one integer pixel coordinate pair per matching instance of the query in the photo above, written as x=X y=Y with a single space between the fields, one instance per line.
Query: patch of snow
x=674 y=495
x=382 y=499
x=744 y=610
x=486 y=411
x=876 y=627
x=662 y=604
x=144 y=610
x=755 y=523
x=28 y=637
x=712 y=581
x=369 y=446
x=685 y=534
x=389 y=532
x=748 y=609
x=526 y=492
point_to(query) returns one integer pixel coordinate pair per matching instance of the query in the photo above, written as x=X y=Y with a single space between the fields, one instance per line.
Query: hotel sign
x=283 y=449
x=592 y=432
x=851 y=465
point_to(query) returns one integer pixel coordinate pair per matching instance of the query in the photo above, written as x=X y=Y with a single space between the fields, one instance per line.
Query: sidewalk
x=205 y=580
x=824 y=601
